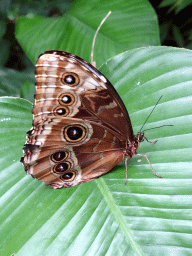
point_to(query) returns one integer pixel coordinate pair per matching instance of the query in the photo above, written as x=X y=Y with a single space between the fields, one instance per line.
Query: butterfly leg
x=126 y=160
x=154 y=141
x=150 y=164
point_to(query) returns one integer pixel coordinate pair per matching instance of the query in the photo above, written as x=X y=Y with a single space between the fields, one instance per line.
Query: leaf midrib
x=118 y=215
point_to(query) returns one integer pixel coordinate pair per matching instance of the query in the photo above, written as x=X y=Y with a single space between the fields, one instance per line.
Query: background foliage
x=149 y=216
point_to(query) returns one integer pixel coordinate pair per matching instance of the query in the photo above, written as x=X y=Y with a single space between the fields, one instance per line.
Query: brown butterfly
x=81 y=128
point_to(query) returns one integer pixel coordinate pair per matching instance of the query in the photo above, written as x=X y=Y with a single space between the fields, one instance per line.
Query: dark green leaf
x=132 y=24
x=28 y=91
x=12 y=81
x=4 y=51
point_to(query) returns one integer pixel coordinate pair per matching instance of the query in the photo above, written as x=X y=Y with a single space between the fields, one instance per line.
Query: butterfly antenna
x=151 y=113
x=158 y=127
x=93 y=44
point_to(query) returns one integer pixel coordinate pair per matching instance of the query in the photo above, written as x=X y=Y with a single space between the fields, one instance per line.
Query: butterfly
x=81 y=128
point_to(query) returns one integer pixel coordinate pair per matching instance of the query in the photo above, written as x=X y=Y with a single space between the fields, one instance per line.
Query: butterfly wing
x=68 y=86
x=63 y=160
x=80 y=124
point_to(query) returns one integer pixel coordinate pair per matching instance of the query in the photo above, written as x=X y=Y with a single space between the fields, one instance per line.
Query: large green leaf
x=132 y=24
x=148 y=216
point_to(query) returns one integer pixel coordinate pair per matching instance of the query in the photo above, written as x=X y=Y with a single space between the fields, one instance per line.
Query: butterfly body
x=81 y=128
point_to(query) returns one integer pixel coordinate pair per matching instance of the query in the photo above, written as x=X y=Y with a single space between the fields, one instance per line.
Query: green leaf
x=178 y=36
x=178 y=5
x=148 y=216
x=2 y=28
x=27 y=91
x=4 y=51
x=132 y=24
x=12 y=81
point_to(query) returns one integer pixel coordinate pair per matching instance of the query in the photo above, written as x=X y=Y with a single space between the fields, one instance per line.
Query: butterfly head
x=140 y=137
x=132 y=145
